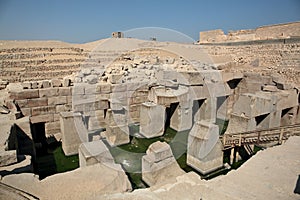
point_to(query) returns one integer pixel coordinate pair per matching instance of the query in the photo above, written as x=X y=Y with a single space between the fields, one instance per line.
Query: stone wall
x=261 y=33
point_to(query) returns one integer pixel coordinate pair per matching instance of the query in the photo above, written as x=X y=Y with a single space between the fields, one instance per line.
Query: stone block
x=152 y=121
x=238 y=123
x=94 y=152
x=37 y=102
x=73 y=132
x=182 y=119
x=26 y=111
x=105 y=88
x=25 y=94
x=46 y=84
x=198 y=92
x=8 y=158
x=41 y=118
x=52 y=128
x=43 y=110
x=116 y=118
x=212 y=162
x=22 y=103
x=117 y=135
x=66 y=82
x=65 y=91
x=269 y=88
x=56 y=82
x=26 y=85
x=207 y=110
x=48 y=92
x=34 y=85
x=95 y=123
x=252 y=105
x=57 y=100
x=159 y=164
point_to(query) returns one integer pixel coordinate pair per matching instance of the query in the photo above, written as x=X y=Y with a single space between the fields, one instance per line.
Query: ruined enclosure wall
x=261 y=33
x=280 y=53
x=39 y=63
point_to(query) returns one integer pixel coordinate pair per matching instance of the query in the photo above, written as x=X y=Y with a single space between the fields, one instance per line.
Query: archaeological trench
x=123 y=118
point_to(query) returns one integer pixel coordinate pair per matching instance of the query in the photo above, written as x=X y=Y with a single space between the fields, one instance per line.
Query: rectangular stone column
x=152 y=120
x=182 y=118
x=204 y=151
x=73 y=132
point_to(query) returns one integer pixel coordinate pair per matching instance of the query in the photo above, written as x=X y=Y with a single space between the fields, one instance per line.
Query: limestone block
x=92 y=89
x=57 y=100
x=56 y=82
x=24 y=94
x=73 y=132
x=117 y=135
x=90 y=106
x=120 y=98
x=41 y=118
x=94 y=152
x=182 y=119
x=37 y=102
x=275 y=119
x=152 y=121
x=8 y=157
x=159 y=164
x=24 y=124
x=78 y=89
x=65 y=91
x=48 y=92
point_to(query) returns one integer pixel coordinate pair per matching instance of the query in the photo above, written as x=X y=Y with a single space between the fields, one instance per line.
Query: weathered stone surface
x=57 y=100
x=56 y=82
x=159 y=164
x=94 y=152
x=117 y=135
x=204 y=151
x=41 y=118
x=25 y=94
x=8 y=157
x=46 y=84
x=182 y=118
x=73 y=132
x=65 y=91
x=42 y=110
x=37 y=102
x=152 y=121
x=48 y=92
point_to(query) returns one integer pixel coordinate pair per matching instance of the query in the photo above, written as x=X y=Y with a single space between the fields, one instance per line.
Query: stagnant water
x=51 y=159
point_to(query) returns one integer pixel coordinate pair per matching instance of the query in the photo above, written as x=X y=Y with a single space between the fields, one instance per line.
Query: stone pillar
x=207 y=111
x=117 y=131
x=152 y=119
x=204 y=151
x=182 y=118
x=231 y=156
x=159 y=164
x=73 y=132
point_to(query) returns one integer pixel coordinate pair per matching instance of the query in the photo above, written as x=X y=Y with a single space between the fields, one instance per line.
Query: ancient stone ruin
x=99 y=101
